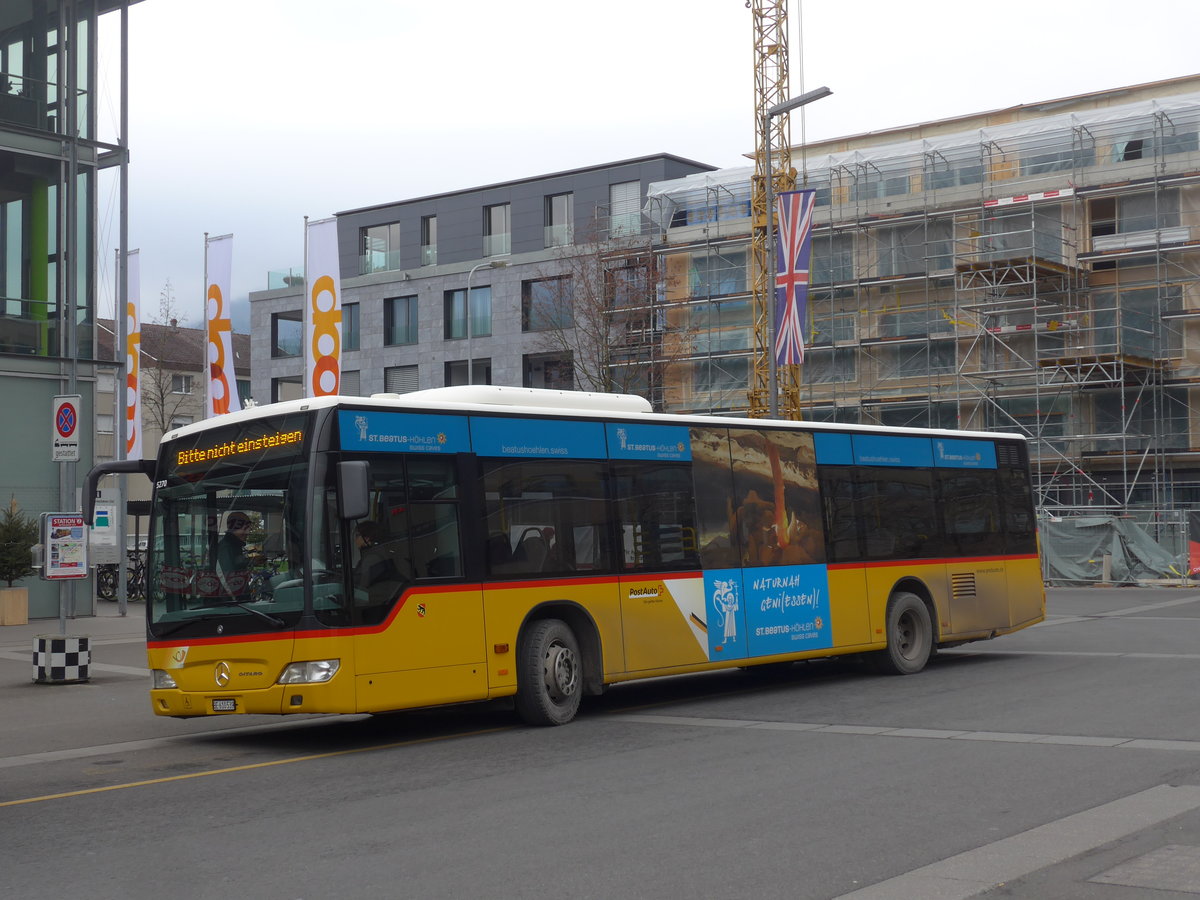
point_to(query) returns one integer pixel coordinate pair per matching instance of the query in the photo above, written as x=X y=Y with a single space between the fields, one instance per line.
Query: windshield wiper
x=208 y=617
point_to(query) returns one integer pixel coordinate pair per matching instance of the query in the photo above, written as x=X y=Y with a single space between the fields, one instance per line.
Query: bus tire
x=909 y=636
x=550 y=673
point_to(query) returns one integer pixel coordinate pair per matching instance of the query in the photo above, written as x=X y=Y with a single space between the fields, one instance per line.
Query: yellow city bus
x=360 y=555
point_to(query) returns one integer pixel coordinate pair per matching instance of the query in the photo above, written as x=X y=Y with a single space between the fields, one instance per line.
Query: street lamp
x=777 y=110
x=490 y=264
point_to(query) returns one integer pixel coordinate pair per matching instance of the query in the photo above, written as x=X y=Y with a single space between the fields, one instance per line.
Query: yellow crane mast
x=771 y=143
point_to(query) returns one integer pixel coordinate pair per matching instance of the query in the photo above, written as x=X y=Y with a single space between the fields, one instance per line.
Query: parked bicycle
x=107 y=577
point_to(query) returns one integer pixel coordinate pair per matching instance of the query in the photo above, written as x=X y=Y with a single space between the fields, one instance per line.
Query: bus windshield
x=229 y=524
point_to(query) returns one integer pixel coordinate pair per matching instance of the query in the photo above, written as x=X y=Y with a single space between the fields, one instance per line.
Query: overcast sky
x=247 y=115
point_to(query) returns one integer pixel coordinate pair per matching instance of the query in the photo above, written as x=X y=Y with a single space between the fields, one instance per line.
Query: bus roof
x=532 y=401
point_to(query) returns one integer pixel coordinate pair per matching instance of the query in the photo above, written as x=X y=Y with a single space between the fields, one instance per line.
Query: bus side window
x=550 y=512
x=900 y=516
x=970 y=509
x=1020 y=527
x=657 y=518
x=840 y=513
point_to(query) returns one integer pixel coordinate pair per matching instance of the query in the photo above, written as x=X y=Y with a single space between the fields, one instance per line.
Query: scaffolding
x=1039 y=275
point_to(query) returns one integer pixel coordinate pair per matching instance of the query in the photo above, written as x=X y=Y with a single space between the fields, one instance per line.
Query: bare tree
x=165 y=393
x=601 y=313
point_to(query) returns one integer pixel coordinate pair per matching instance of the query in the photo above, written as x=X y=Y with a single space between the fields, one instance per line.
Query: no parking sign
x=64 y=429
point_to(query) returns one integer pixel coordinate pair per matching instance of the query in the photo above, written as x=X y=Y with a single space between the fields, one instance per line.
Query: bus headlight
x=162 y=680
x=313 y=672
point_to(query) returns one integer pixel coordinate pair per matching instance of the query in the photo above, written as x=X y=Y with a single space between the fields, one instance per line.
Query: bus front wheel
x=909 y=636
x=550 y=677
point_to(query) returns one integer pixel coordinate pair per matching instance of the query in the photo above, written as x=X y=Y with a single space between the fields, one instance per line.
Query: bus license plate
x=229 y=705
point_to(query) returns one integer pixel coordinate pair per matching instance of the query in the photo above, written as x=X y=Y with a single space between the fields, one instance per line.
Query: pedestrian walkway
x=107 y=625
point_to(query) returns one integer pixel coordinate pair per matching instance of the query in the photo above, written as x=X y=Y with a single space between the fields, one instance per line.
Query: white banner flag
x=133 y=356
x=218 y=273
x=323 y=311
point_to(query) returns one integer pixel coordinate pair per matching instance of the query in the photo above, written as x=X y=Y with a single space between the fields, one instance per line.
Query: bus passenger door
x=429 y=651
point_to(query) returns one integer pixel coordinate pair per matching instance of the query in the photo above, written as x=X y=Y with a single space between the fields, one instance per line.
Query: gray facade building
x=405 y=268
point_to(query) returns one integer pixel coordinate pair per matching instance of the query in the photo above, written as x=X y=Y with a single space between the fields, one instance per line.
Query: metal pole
x=773 y=382
x=121 y=315
x=470 y=360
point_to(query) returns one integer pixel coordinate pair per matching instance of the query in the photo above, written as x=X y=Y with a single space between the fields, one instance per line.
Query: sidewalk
x=107 y=624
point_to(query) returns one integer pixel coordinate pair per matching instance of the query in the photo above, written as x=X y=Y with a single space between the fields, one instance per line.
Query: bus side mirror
x=354 y=495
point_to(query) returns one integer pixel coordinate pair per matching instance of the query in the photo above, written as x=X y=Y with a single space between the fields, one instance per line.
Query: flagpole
x=204 y=364
x=305 y=304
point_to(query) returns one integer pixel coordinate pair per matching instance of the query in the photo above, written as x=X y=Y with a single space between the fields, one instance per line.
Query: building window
x=834 y=366
x=399 y=321
x=456 y=372
x=379 y=249
x=547 y=304
x=181 y=384
x=624 y=216
x=720 y=326
x=456 y=313
x=552 y=371
x=104 y=423
x=289 y=387
x=429 y=240
x=351 y=383
x=106 y=382
x=916 y=360
x=832 y=258
x=560 y=220
x=180 y=421
x=630 y=285
x=287 y=333
x=832 y=328
x=400 y=379
x=350 y=326
x=717 y=273
x=497 y=233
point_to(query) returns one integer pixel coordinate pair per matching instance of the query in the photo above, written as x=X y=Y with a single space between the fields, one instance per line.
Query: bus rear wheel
x=550 y=677
x=909 y=636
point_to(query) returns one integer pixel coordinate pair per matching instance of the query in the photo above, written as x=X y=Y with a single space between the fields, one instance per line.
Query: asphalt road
x=1061 y=762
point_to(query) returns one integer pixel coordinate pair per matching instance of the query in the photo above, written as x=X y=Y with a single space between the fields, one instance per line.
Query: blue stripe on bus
x=833 y=449
x=553 y=438
x=887 y=450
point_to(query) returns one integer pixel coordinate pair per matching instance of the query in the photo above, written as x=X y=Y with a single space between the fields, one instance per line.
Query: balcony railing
x=497 y=244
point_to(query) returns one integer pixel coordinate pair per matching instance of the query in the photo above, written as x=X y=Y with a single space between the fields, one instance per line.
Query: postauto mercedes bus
x=351 y=555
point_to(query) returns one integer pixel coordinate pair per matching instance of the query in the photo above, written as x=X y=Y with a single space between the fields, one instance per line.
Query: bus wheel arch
x=911 y=630
x=558 y=660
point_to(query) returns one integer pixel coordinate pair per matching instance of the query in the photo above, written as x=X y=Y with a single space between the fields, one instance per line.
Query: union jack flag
x=793 y=251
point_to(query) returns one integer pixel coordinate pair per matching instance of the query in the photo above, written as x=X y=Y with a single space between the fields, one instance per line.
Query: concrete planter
x=14 y=606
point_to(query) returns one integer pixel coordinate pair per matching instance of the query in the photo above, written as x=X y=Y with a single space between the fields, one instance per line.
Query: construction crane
x=771 y=147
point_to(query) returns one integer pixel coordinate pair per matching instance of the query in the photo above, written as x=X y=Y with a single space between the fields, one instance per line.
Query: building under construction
x=1030 y=269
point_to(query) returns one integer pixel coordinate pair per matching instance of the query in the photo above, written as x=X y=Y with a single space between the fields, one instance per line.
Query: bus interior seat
x=499 y=552
x=532 y=553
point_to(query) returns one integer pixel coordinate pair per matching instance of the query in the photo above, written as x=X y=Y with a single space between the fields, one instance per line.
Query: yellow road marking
x=262 y=765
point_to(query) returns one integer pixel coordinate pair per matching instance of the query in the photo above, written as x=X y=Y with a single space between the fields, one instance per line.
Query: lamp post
x=490 y=264
x=777 y=110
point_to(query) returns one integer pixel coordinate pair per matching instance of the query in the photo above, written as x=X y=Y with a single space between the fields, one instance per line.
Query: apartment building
x=533 y=253
x=1031 y=268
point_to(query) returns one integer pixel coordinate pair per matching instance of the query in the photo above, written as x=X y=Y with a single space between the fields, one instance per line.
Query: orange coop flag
x=218 y=273
x=322 y=310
